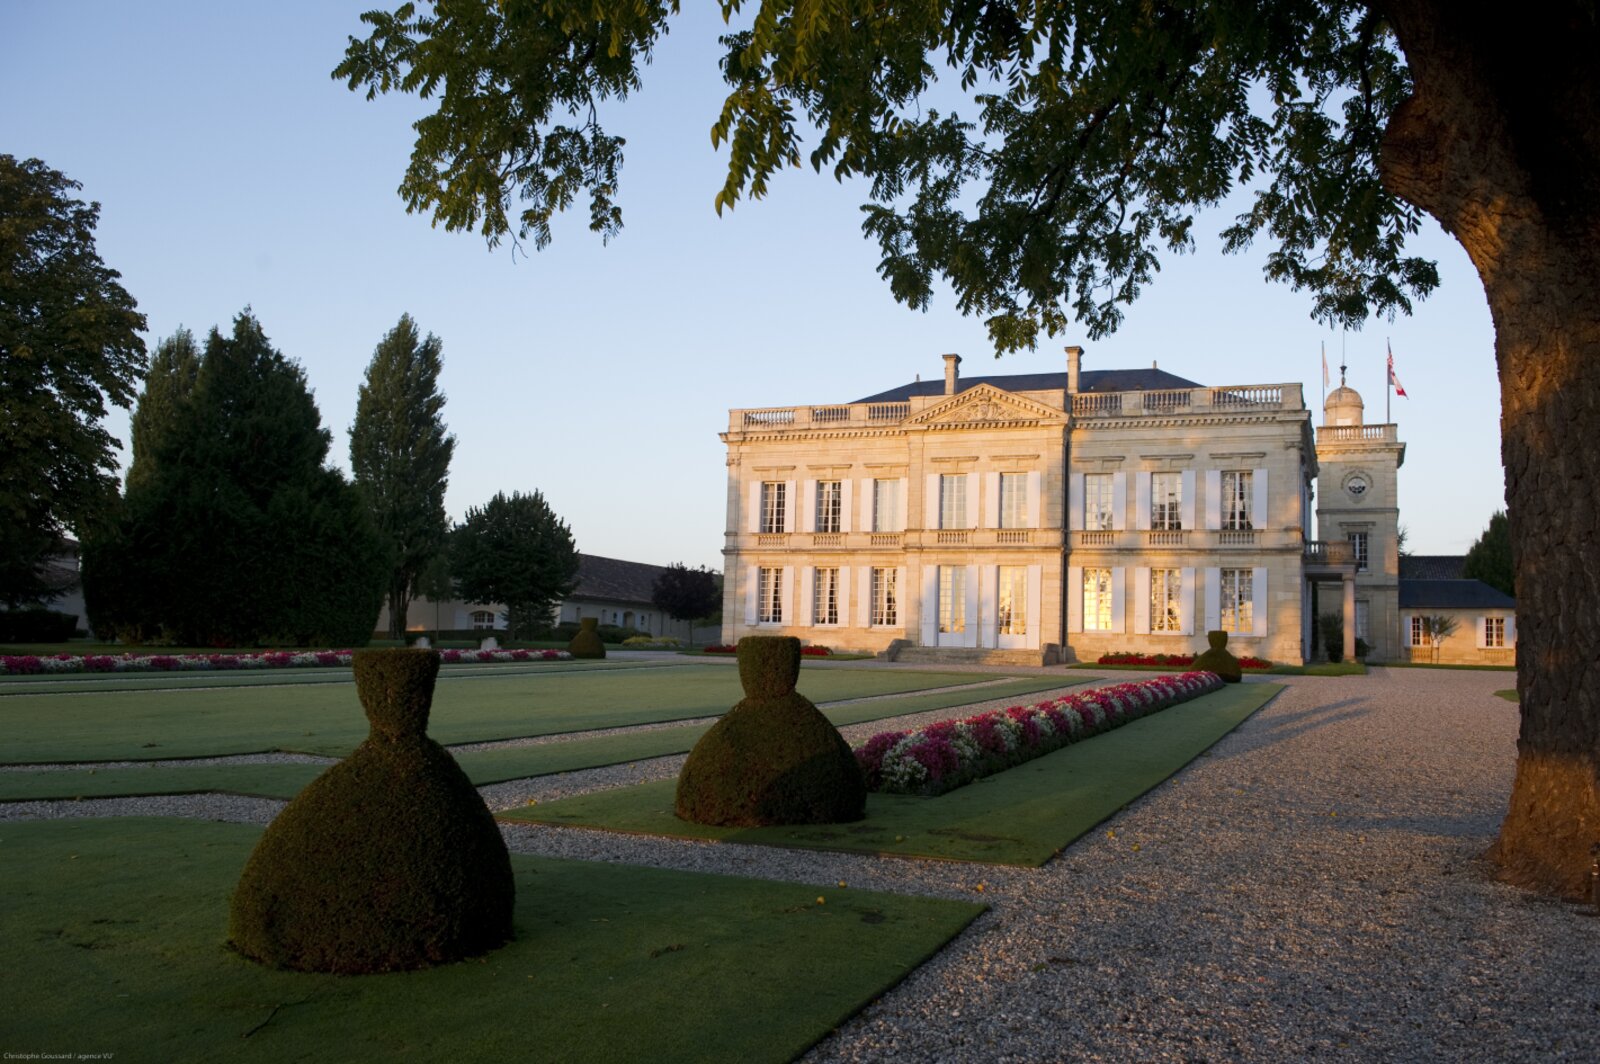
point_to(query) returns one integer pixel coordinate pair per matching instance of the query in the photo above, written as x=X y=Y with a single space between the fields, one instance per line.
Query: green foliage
x=238 y=533
x=167 y=386
x=1330 y=626
x=389 y=860
x=400 y=455
x=1092 y=134
x=69 y=344
x=773 y=758
x=686 y=594
x=36 y=626
x=587 y=642
x=514 y=550
x=1436 y=628
x=1489 y=557
x=1217 y=659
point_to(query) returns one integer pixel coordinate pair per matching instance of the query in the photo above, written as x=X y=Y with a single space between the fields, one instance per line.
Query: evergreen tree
x=1489 y=558
x=167 y=385
x=686 y=594
x=400 y=454
x=69 y=344
x=239 y=533
x=514 y=550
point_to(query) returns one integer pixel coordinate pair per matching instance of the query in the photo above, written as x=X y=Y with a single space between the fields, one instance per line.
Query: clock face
x=1357 y=486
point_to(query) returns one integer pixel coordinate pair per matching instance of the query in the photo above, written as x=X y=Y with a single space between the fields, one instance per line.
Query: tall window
x=770 y=596
x=1166 y=501
x=1418 y=637
x=885 y=598
x=1238 y=601
x=830 y=505
x=1164 y=587
x=886 y=506
x=1013 y=611
x=773 y=501
x=1097 y=504
x=826 y=597
x=1013 y=500
x=953 y=500
x=1358 y=541
x=482 y=619
x=1236 y=496
x=1097 y=600
x=1494 y=631
x=952 y=598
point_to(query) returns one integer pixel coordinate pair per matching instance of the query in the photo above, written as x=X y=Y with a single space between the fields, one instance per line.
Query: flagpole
x=1388 y=380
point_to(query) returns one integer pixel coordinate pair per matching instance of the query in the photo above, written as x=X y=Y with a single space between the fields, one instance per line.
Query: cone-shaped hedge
x=1217 y=658
x=773 y=758
x=587 y=643
x=387 y=861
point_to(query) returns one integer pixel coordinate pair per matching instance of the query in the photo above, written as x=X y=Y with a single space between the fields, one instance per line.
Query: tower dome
x=1342 y=407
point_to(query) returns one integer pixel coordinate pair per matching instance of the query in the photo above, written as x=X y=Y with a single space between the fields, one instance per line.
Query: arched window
x=482 y=619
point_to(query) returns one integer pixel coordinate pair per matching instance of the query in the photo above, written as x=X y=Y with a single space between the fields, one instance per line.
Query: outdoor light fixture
x=1594 y=875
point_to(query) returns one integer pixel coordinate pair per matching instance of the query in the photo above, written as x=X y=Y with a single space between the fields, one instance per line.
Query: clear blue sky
x=232 y=170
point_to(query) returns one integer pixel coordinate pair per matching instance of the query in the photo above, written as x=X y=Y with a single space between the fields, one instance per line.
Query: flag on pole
x=1324 y=367
x=1394 y=381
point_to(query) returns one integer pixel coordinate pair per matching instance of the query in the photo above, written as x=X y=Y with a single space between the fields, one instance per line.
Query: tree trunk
x=399 y=605
x=1501 y=143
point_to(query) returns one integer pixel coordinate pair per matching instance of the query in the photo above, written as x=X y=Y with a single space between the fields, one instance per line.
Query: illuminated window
x=1238 y=601
x=830 y=505
x=886 y=506
x=1013 y=500
x=826 y=597
x=953 y=500
x=1097 y=600
x=1164 y=587
x=1097 y=502
x=885 y=598
x=952 y=598
x=1494 y=631
x=770 y=596
x=1013 y=611
x=773 y=501
x=1166 y=502
x=1236 y=498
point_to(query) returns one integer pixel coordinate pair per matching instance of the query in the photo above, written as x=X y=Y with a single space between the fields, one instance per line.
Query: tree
x=400 y=454
x=1436 y=628
x=514 y=550
x=686 y=594
x=1098 y=129
x=238 y=533
x=1489 y=557
x=69 y=344
x=167 y=385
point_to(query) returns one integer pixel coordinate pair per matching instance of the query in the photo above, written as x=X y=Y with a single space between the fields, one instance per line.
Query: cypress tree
x=168 y=384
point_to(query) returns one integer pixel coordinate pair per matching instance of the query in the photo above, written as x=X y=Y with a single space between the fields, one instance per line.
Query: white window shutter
x=808 y=588
x=789 y=505
x=989 y=606
x=1074 y=598
x=1141 y=600
x=929 y=606
x=1186 y=602
x=972 y=506
x=900 y=597
x=752 y=578
x=863 y=596
x=844 y=506
x=1213 y=499
x=786 y=596
x=901 y=504
x=1074 y=502
x=808 y=506
x=991 y=500
x=1259 y=513
x=1035 y=604
x=1119 y=502
x=1035 y=498
x=1258 y=601
x=930 y=501
x=1213 y=599
x=864 y=512
x=1405 y=630
x=753 y=505
x=970 y=636
x=844 y=596
x=1483 y=632
x=1186 y=504
x=1119 y=597
x=1141 y=505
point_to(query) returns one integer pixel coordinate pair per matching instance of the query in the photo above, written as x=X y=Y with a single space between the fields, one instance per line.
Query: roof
x=1453 y=595
x=1432 y=566
x=614 y=580
x=1090 y=380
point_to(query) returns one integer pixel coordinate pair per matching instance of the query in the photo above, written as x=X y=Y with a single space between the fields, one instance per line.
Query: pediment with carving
x=985 y=406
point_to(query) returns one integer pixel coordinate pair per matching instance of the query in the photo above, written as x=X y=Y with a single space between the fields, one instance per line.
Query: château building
x=1049 y=517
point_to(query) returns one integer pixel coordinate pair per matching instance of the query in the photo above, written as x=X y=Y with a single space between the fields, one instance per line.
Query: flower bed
x=29 y=664
x=952 y=753
x=805 y=652
x=1163 y=661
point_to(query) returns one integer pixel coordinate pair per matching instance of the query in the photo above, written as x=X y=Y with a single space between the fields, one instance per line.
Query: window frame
x=830 y=506
x=885 y=597
x=1236 y=615
x=774 y=504
x=886 y=503
x=1166 y=589
x=1097 y=615
x=1238 y=500
x=1013 y=502
x=769 y=594
x=1099 y=502
x=952 y=599
x=1166 y=515
x=825 y=596
x=953 y=491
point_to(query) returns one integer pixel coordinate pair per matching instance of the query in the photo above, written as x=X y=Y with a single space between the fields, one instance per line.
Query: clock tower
x=1357 y=502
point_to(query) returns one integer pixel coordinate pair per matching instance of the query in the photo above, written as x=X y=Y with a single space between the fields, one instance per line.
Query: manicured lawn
x=114 y=943
x=486 y=766
x=100 y=682
x=326 y=719
x=1022 y=816
x=1509 y=695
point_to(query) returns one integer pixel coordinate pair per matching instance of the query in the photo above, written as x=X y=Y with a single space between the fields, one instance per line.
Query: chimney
x=1074 y=365
x=952 y=373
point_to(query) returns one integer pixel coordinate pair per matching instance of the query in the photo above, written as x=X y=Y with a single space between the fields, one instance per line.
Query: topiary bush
x=389 y=860
x=587 y=643
x=773 y=758
x=1217 y=659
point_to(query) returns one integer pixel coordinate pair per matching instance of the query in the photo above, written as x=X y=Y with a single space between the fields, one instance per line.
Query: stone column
x=1349 y=618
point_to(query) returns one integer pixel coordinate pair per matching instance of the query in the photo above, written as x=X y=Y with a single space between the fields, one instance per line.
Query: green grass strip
x=326 y=719
x=115 y=933
x=484 y=766
x=1023 y=816
x=100 y=683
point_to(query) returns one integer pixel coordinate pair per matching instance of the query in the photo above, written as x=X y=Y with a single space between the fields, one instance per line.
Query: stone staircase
x=914 y=655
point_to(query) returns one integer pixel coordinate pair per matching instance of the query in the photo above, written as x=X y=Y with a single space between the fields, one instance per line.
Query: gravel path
x=1312 y=886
